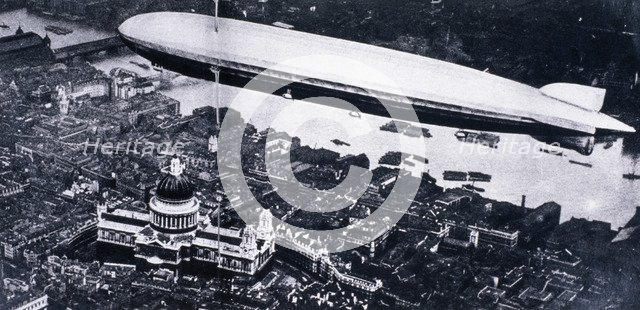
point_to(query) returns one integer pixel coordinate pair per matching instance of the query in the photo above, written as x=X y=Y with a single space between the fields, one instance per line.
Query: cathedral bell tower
x=265 y=226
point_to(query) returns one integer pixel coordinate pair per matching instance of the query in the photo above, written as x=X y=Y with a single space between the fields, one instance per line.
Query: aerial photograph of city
x=319 y=154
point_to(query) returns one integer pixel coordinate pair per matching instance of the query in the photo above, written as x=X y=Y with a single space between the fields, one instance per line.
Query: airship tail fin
x=590 y=98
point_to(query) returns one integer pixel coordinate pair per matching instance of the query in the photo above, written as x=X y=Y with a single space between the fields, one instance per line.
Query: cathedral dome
x=174 y=209
x=175 y=186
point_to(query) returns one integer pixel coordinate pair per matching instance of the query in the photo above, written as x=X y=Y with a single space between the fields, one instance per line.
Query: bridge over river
x=88 y=48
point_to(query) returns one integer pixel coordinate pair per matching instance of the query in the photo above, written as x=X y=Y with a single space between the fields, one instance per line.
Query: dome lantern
x=177 y=168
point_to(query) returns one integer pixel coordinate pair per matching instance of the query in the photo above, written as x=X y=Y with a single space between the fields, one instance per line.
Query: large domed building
x=174 y=209
x=176 y=233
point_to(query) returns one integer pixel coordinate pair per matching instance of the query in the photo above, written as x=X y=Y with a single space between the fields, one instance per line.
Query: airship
x=440 y=92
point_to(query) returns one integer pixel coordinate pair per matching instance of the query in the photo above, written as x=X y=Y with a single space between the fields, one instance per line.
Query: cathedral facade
x=177 y=234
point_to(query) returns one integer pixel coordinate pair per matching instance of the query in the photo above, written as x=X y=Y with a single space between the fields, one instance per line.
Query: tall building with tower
x=63 y=99
x=177 y=234
x=25 y=48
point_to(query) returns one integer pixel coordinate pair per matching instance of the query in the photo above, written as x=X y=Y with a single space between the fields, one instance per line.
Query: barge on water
x=141 y=65
x=483 y=138
x=479 y=176
x=473 y=188
x=472 y=176
x=449 y=175
x=61 y=31
x=340 y=142
x=580 y=163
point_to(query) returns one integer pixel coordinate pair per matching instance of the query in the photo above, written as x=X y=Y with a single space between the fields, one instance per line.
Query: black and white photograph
x=319 y=154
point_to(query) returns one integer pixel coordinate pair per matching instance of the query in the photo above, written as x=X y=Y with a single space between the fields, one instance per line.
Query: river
x=598 y=192
x=37 y=23
x=517 y=166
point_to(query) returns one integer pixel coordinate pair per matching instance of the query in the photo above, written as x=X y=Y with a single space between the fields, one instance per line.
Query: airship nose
x=124 y=30
x=145 y=27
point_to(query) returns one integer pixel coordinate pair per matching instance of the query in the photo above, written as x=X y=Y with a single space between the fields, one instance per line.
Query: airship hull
x=461 y=107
